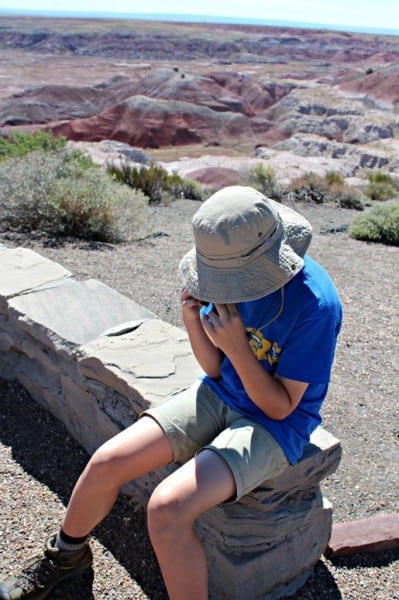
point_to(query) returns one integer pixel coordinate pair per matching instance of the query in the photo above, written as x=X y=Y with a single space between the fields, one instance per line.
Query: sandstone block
x=6 y=341
x=22 y=270
x=145 y=365
x=72 y=313
x=43 y=386
x=8 y=363
x=84 y=417
x=274 y=569
x=263 y=545
x=237 y=526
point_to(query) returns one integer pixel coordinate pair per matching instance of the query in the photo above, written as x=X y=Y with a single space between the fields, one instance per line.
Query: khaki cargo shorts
x=197 y=419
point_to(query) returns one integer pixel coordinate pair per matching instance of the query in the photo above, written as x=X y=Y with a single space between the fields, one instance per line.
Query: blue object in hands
x=205 y=310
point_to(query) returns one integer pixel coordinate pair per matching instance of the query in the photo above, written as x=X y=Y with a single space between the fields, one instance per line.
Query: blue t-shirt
x=293 y=332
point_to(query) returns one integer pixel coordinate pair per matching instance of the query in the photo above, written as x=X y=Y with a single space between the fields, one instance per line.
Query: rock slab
x=374 y=534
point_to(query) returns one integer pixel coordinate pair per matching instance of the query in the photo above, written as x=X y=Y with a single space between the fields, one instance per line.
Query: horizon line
x=195 y=18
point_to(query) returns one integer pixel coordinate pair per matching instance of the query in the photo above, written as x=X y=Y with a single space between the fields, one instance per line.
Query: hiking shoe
x=39 y=578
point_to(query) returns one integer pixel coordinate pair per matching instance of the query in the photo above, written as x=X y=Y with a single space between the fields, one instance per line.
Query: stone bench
x=266 y=545
x=86 y=353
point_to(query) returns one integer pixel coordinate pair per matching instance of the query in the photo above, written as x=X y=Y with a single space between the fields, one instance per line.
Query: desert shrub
x=330 y=188
x=346 y=196
x=19 y=144
x=183 y=187
x=156 y=183
x=333 y=178
x=150 y=180
x=380 y=186
x=309 y=188
x=379 y=224
x=61 y=192
x=263 y=178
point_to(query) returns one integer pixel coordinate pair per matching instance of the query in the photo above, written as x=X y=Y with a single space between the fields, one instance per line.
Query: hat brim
x=261 y=276
x=298 y=230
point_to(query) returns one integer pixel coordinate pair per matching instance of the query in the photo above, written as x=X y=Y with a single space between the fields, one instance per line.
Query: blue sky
x=347 y=13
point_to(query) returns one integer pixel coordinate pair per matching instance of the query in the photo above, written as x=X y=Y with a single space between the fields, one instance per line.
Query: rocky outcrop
x=326 y=112
x=217 y=177
x=148 y=123
x=167 y=107
x=381 y=83
x=43 y=104
x=164 y=107
x=356 y=157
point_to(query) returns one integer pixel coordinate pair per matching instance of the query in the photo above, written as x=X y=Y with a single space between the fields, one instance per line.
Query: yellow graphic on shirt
x=262 y=348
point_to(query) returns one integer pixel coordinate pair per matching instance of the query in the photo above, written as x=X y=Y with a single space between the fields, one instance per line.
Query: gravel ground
x=39 y=461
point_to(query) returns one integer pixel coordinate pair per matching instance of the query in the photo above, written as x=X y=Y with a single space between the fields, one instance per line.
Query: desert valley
x=205 y=96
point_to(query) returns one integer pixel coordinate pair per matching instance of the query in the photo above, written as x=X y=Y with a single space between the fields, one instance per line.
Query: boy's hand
x=190 y=307
x=225 y=328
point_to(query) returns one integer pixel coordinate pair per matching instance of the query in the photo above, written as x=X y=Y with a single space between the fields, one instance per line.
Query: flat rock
x=375 y=534
x=155 y=360
x=22 y=270
x=75 y=312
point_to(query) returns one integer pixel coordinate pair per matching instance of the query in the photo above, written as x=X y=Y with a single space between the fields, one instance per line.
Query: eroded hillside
x=156 y=85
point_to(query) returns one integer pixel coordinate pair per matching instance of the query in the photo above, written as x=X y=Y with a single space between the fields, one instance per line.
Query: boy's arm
x=207 y=354
x=276 y=396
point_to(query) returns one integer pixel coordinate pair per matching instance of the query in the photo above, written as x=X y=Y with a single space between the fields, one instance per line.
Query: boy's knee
x=101 y=466
x=165 y=512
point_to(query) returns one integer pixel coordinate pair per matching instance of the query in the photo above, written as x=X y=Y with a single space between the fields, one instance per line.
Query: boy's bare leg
x=197 y=486
x=137 y=450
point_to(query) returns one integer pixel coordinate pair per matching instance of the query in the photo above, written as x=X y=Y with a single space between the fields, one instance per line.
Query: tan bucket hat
x=246 y=247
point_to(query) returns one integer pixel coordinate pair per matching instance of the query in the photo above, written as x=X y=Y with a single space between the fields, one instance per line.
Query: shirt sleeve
x=308 y=353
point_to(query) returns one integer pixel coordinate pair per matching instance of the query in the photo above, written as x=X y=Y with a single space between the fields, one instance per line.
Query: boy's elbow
x=283 y=408
x=278 y=414
x=213 y=373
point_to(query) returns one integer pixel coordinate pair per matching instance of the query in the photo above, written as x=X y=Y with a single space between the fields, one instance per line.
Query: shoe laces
x=37 y=573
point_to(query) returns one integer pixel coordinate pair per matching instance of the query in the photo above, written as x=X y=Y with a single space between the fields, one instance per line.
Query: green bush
x=19 y=144
x=183 y=187
x=379 y=224
x=380 y=186
x=156 y=183
x=62 y=192
x=263 y=178
x=333 y=178
x=151 y=181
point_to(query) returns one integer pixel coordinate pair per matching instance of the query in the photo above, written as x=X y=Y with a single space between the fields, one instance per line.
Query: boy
x=266 y=345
